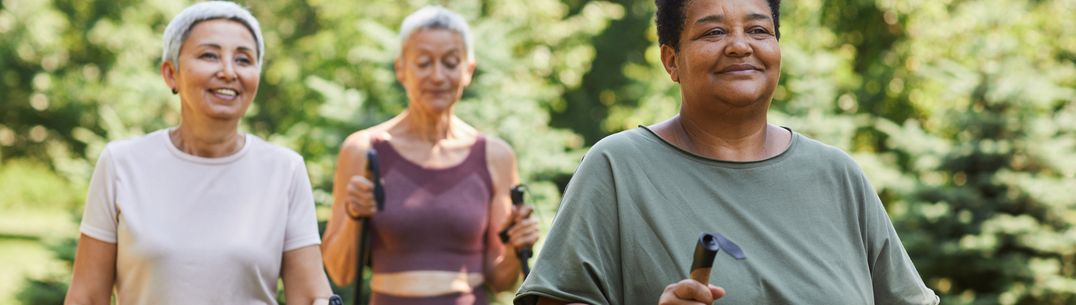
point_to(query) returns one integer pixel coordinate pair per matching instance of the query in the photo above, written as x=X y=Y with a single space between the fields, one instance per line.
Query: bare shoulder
x=356 y=142
x=359 y=142
x=499 y=153
x=353 y=150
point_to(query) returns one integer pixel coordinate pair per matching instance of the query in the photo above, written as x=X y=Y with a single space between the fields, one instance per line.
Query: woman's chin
x=741 y=97
x=439 y=104
x=225 y=112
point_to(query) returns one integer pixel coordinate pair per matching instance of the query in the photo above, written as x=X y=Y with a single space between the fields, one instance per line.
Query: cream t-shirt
x=193 y=230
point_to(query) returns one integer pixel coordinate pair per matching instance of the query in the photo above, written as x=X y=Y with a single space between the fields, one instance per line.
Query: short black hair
x=670 y=19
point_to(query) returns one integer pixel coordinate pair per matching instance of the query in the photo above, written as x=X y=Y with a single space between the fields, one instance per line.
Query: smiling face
x=433 y=67
x=218 y=73
x=728 y=57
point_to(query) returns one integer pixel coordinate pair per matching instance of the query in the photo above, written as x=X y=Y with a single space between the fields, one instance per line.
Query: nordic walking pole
x=524 y=254
x=364 y=238
x=706 y=250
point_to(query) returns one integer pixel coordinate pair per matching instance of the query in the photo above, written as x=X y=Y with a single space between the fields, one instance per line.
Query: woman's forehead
x=222 y=32
x=436 y=40
x=699 y=10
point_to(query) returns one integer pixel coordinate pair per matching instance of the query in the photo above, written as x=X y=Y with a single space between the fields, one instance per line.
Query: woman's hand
x=690 y=292
x=360 y=198
x=524 y=230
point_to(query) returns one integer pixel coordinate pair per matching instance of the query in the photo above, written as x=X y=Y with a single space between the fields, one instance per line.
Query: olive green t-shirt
x=812 y=228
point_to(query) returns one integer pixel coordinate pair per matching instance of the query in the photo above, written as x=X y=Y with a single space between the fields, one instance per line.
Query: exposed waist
x=425 y=283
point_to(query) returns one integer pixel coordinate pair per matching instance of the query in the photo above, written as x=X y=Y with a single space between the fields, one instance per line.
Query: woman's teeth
x=226 y=92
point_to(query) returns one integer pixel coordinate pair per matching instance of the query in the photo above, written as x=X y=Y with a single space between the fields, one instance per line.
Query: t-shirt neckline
x=771 y=160
x=165 y=140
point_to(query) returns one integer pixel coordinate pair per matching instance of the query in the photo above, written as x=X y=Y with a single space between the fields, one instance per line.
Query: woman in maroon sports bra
x=446 y=185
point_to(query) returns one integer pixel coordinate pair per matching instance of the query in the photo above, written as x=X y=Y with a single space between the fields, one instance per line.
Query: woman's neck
x=207 y=138
x=428 y=127
x=731 y=139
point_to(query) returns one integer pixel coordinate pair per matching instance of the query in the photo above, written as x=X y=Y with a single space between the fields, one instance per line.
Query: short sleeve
x=100 y=216
x=895 y=279
x=580 y=261
x=302 y=226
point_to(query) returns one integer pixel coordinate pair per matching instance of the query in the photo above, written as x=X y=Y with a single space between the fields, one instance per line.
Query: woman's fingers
x=522 y=212
x=359 y=183
x=360 y=197
x=524 y=233
x=717 y=292
x=689 y=291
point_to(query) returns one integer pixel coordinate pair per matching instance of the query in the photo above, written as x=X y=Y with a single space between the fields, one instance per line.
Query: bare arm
x=304 y=281
x=502 y=265
x=339 y=245
x=94 y=273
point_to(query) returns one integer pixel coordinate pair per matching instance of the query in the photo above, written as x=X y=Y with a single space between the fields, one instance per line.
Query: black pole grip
x=364 y=239
x=375 y=176
x=524 y=254
x=705 y=251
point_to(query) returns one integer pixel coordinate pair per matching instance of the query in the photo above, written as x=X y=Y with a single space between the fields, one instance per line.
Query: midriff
x=425 y=283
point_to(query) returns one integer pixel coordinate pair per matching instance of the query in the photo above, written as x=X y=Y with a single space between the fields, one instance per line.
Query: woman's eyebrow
x=710 y=18
x=720 y=18
x=217 y=46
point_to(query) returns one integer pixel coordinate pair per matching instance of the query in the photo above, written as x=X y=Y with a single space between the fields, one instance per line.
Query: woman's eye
x=208 y=56
x=244 y=60
x=758 y=30
x=715 y=32
x=423 y=62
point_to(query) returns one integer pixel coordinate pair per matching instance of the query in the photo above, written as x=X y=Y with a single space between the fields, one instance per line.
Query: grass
x=24 y=234
x=24 y=258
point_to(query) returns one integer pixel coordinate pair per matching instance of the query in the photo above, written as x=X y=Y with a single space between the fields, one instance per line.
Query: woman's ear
x=398 y=66
x=469 y=73
x=668 y=59
x=168 y=72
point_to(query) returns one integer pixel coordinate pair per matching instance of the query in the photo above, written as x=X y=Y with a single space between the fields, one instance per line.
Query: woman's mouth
x=739 y=68
x=225 y=93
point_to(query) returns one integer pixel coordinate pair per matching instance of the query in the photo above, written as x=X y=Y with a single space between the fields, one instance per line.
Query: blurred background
x=961 y=112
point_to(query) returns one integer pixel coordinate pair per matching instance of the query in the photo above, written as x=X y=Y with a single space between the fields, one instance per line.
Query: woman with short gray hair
x=201 y=213
x=446 y=185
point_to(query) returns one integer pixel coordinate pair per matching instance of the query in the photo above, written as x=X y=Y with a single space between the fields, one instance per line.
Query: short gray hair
x=436 y=17
x=180 y=27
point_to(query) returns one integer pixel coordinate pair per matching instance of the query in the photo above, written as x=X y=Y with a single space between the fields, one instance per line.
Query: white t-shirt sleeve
x=100 y=215
x=302 y=226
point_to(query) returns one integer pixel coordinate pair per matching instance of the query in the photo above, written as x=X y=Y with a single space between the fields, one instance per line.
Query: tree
x=991 y=216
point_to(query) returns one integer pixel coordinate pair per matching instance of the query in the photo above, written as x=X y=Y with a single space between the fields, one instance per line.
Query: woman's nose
x=738 y=46
x=227 y=71
x=439 y=73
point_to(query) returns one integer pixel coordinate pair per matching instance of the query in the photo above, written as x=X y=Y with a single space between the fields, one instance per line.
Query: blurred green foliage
x=961 y=112
x=32 y=184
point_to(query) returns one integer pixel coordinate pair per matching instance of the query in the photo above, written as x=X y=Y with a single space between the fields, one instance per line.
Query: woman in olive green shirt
x=812 y=228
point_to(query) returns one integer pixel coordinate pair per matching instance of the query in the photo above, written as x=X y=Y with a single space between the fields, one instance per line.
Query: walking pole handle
x=524 y=254
x=374 y=169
